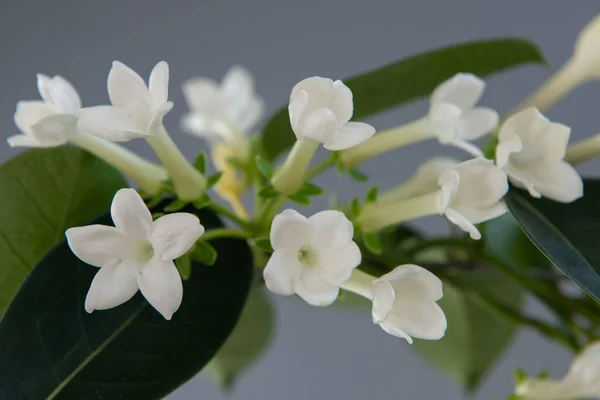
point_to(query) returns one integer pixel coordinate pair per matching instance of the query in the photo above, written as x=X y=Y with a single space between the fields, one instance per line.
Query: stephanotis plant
x=122 y=277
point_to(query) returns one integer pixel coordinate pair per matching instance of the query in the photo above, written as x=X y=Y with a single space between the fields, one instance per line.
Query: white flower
x=531 y=149
x=404 y=303
x=137 y=110
x=50 y=122
x=312 y=257
x=221 y=112
x=321 y=109
x=137 y=253
x=471 y=193
x=453 y=116
x=582 y=380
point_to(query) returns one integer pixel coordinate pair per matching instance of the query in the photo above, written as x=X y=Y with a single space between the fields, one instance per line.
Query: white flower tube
x=582 y=380
x=468 y=194
x=53 y=122
x=404 y=301
x=584 y=65
x=531 y=150
x=312 y=256
x=137 y=111
x=584 y=150
x=453 y=119
x=320 y=111
x=136 y=254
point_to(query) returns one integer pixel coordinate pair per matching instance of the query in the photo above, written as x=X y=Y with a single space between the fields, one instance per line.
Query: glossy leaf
x=42 y=193
x=566 y=233
x=412 y=78
x=50 y=348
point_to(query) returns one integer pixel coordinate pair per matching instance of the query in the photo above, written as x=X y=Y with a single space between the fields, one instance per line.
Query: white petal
x=26 y=141
x=43 y=86
x=337 y=265
x=59 y=92
x=159 y=85
x=127 y=90
x=522 y=180
x=349 y=135
x=251 y=115
x=311 y=286
x=476 y=122
x=174 y=234
x=157 y=118
x=111 y=123
x=449 y=183
x=341 y=102
x=331 y=230
x=586 y=367
x=418 y=319
x=558 y=181
x=479 y=215
x=282 y=269
x=130 y=214
x=160 y=283
x=383 y=301
x=237 y=83
x=318 y=89
x=444 y=122
x=55 y=129
x=296 y=109
x=319 y=124
x=203 y=95
x=507 y=147
x=290 y=230
x=201 y=125
x=482 y=183
x=463 y=223
x=28 y=113
x=462 y=90
x=113 y=285
x=412 y=282
x=470 y=148
x=98 y=245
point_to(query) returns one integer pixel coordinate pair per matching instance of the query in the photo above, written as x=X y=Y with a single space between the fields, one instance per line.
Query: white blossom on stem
x=136 y=254
x=582 y=380
x=312 y=256
x=137 y=109
x=51 y=121
x=531 y=149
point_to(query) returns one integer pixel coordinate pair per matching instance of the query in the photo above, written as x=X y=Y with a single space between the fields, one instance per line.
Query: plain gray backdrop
x=316 y=353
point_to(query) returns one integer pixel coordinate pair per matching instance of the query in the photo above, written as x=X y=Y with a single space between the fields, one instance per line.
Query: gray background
x=317 y=353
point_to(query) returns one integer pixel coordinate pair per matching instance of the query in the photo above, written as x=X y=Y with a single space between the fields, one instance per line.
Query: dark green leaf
x=212 y=181
x=200 y=163
x=203 y=202
x=476 y=337
x=204 y=253
x=566 y=233
x=50 y=348
x=300 y=199
x=371 y=195
x=355 y=207
x=264 y=244
x=265 y=168
x=268 y=191
x=175 y=205
x=410 y=79
x=42 y=193
x=372 y=243
x=308 y=189
x=248 y=341
x=184 y=265
x=357 y=175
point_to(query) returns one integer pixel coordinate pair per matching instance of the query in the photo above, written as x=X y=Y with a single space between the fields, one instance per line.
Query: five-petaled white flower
x=404 y=303
x=137 y=253
x=321 y=109
x=312 y=257
x=453 y=117
x=471 y=193
x=137 y=110
x=582 y=380
x=222 y=112
x=531 y=149
x=50 y=122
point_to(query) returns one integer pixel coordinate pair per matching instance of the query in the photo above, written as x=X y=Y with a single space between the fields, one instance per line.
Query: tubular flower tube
x=584 y=150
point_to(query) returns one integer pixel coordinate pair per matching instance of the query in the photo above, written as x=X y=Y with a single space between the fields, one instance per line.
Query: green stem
x=229 y=214
x=328 y=162
x=224 y=233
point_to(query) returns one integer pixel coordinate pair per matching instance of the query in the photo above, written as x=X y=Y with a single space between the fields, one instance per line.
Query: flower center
x=143 y=251
x=308 y=256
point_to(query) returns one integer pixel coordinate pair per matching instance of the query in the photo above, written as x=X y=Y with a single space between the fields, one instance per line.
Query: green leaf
x=268 y=192
x=42 y=193
x=213 y=180
x=184 y=265
x=476 y=337
x=204 y=253
x=264 y=244
x=203 y=202
x=300 y=199
x=358 y=176
x=371 y=195
x=372 y=242
x=355 y=207
x=175 y=205
x=566 y=233
x=249 y=340
x=200 y=163
x=309 y=190
x=50 y=348
x=412 y=78
x=265 y=168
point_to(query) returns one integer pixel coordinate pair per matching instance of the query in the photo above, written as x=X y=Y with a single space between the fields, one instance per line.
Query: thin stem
x=328 y=162
x=224 y=233
x=229 y=214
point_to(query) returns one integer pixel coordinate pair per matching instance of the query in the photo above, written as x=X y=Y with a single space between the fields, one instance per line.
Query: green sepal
x=204 y=253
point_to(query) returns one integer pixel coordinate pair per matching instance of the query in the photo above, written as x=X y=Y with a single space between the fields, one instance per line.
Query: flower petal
x=418 y=319
x=331 y=230
x=319 y=124
x=99 y=245
x=174 y=234
x=282 y=269
x=341 y=102
x=161 y=285
x=59 y=92
x=463 y=223
x=412 y=282
x=337 y=265
x=250 y=116
x=28 y=113
x=113 y=285
x=54 y=130
x=477 y=122
x=26 y=141
x=110 y=123
x=202 y=94
x=507 y=147
x=290 y=230
x=158 y=85
x=479 y=215
x=383 y=301
x=296 y=109
x=130 y=214
x=237 y=84
x=314 y=289
x=585 y=369
x=318 y=89
x=128 y=90
x=349 y=135
x=462 y=90
x=157 y=119
x=482 y=184
x=558 y=181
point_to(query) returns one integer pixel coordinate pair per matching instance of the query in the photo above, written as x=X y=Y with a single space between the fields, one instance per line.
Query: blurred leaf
x=264 y=244
x=309 y=189
x=204 y=253
x=268 y=191
x=410 y=79
x=42 y=193
x=184 y=265
x=213 y=180
x=248 y=341
x=358 y=176
x=372 y=243
x=265 y=168
x=200 y=163
x=371 y=195
x=175 y=205
x=300 y=199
